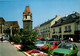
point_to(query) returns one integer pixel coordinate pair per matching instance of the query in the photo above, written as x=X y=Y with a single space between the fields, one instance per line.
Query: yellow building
x=44 y=29
x=67 y=27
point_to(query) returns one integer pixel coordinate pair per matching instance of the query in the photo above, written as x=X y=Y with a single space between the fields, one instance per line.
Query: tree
x=7 y=31
x=28 y=39
x=14 y=31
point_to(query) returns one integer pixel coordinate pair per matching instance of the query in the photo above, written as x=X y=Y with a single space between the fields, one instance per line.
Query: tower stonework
x=27 y=18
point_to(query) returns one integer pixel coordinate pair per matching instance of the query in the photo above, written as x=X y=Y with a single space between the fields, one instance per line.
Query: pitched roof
x=27 y=11
x=14 y=24
x=2 y=20
x=46 y=22
x=64 y=20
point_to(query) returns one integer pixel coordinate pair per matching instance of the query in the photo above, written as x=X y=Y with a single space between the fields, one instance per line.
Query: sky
x=42 y=10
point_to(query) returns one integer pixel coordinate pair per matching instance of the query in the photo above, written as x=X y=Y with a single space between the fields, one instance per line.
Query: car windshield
x=65 y=46
x=47 y=42
x=40 y=42
x=51 y=43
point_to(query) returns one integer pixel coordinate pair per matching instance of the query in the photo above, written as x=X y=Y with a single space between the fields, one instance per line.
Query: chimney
x=74 y=12
x=66 y=15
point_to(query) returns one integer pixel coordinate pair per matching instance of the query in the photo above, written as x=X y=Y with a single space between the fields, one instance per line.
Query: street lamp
x=2 y=29
x=11 y=30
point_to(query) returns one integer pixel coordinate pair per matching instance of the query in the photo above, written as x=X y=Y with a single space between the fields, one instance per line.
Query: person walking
x=60 y=40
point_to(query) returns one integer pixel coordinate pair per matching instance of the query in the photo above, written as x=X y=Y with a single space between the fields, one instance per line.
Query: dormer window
x=55 y=22
x=28 y=13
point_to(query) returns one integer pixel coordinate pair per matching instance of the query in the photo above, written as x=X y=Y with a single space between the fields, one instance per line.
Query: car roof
x=53 y=41
x=68 y=43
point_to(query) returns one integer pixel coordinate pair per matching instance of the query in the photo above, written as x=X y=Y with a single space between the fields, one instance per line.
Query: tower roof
x=27 y=10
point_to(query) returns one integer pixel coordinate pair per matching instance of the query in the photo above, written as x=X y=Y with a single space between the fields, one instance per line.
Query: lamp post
x=2 y=29
x=11 y=30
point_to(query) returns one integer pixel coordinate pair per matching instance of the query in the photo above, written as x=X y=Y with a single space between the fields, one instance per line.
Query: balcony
x=68 y=31
x=59 y=31
x=53 y=32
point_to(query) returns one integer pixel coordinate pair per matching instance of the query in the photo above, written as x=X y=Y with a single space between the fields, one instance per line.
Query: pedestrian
x=71 y=39
x=2 y=39
x=60 y=40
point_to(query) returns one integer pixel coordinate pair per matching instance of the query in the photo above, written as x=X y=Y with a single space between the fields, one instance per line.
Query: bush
x=15 y=39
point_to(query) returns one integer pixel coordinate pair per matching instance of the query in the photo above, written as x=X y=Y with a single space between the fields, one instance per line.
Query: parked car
x=54 y=44
x=53 y=39
x=66 y=49
x=40 y=43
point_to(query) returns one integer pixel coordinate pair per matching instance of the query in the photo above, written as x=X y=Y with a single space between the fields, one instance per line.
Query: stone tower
x=27 y=18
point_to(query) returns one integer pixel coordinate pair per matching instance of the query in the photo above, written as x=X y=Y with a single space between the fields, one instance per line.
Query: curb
x=23 y=51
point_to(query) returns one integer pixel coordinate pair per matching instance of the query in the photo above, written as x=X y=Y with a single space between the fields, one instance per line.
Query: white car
x=40 y=43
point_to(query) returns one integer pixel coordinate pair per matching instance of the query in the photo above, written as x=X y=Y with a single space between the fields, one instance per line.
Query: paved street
x=6 y=49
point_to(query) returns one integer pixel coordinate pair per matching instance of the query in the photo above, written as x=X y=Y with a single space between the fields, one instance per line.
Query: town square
x=39 y=28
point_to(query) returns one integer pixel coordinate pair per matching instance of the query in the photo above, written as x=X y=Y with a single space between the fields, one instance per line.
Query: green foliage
x=15 y=39
x=14 y=31
x=28 y=39
x=7 y=31
x=49 y=49
x=11 y=38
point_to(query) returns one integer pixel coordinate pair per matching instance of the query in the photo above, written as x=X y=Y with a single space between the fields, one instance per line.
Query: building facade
x=27 y=18
x=44 y=29
x=68 y=26
x=7 y=25
x=2 y=22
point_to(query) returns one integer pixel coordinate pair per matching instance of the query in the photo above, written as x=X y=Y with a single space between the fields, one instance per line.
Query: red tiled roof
x=27 y=10
x=14 y=24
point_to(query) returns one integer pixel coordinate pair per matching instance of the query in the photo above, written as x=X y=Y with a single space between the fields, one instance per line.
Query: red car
x=54 y=44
